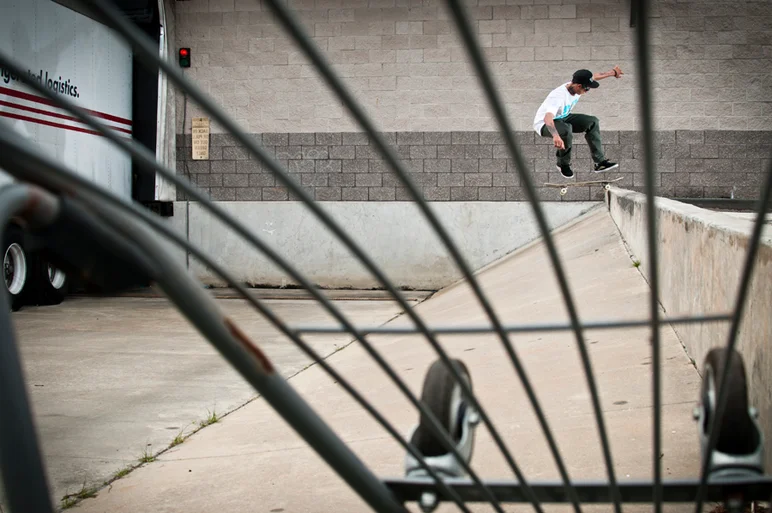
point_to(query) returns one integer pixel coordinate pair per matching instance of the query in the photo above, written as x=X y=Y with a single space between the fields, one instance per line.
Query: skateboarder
x=554 y=119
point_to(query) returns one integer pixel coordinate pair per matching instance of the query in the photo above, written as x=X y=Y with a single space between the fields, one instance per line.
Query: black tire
x=15 y=265
x=438 y=396
x=48 y=285
x=737 y=434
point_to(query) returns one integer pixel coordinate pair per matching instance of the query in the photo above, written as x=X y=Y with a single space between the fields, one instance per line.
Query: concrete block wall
x=475 y=166
x=404 y=61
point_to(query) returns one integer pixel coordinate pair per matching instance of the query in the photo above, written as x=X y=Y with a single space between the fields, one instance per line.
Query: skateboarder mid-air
x=554 y=119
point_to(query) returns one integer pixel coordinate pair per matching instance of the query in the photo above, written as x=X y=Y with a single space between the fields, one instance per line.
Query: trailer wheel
x=443 y=396
x=48 y=283
x=15 y=265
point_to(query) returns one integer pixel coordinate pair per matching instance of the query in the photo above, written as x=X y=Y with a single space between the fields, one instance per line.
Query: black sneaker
x=606 y=165
x=565 y=170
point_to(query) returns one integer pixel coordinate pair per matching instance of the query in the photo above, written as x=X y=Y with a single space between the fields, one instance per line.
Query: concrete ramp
x=251 y=460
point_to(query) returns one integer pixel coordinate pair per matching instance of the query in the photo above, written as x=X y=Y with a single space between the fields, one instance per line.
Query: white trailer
x=79 y=58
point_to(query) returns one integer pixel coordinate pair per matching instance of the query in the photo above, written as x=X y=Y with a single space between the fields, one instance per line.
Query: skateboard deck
x=564 y=186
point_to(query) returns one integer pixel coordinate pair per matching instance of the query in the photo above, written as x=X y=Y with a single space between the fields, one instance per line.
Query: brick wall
x=474 y=166
x=404 y=60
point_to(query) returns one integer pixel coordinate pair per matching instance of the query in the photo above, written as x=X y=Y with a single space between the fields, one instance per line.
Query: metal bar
x=146 y=159
x=497 y=106
x=644 y=93
x=325 y=69
x=522 y=328
x=593 y=492
x=742 y=293
x=253 y=365
x=48 y=170
x=21 y=460
x=143 y=48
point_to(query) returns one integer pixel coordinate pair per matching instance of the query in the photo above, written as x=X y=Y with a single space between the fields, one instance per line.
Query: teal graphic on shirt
x=563 y=113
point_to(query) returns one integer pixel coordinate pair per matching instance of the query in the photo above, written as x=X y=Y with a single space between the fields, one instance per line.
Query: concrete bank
x=701 y=256
x=395 y=234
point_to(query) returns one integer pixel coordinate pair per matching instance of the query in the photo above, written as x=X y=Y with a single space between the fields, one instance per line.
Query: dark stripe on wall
x=474 y=166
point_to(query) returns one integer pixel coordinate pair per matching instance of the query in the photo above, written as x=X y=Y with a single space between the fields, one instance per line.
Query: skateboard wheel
x=607 y=186
x=563 y=191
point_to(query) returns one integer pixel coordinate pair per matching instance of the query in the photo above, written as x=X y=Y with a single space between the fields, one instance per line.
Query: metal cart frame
x=97 y=234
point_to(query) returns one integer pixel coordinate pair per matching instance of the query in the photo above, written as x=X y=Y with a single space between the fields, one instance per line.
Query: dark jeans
x=573 y=124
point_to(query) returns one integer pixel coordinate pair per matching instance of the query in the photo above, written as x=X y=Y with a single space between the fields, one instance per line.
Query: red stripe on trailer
x=56 y=125
x=45 y=101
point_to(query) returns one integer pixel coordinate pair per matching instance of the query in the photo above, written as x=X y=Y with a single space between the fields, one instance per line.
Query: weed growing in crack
x=209 y=420
x=147 y=457
x=86 y=492
x=177 y=440
x=122 y=473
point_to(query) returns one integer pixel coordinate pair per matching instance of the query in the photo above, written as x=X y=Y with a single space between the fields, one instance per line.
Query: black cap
x=584 y=77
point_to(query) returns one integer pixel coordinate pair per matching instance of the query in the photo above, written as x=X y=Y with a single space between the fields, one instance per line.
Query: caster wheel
x=737 y=435
x=563 y=191
x=444 y=398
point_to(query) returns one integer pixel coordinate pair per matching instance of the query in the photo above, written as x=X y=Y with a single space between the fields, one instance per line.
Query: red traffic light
x=184 y=57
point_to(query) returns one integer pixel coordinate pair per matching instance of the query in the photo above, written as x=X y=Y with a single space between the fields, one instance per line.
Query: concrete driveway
x=252 y=461
x=115 y=380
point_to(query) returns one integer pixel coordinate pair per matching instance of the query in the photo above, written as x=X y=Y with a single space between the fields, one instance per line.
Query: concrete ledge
x=701 y=254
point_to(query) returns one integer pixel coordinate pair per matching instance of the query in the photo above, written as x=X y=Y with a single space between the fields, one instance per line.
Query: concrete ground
x=113 y=379
x=252 y=461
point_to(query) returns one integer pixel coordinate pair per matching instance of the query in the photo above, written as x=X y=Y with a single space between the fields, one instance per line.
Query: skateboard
x=564 y=186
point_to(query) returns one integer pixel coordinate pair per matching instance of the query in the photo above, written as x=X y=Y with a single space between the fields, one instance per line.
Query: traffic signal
x=184 y=57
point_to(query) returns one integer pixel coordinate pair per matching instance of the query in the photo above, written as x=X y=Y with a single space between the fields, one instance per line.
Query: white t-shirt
x=559 y=102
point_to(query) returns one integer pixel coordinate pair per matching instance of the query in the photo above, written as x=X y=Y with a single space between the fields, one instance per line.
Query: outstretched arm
x=616 y=72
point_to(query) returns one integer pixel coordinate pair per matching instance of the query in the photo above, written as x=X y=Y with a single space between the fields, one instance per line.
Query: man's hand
x=616 y=72
x=549 y=121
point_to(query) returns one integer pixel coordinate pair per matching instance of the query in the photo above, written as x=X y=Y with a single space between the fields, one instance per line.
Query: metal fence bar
x=143 y=155
x=644 y=93
x=301 y=38
x=21 y=459
x=742 y=294
x=595 y=492
x=522 y=328
x=611 y=490
x=311 y=51
x=145 y=49
x=497 y=106
x=47 y=170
